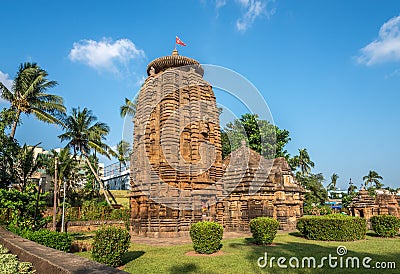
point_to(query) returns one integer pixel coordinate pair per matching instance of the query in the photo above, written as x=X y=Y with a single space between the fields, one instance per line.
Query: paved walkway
x=181 y=240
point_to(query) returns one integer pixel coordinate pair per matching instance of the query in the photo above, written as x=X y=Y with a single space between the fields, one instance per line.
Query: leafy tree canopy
x=260 y=135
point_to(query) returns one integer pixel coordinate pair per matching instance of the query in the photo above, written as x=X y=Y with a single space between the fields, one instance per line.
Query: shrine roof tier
x=173 y=61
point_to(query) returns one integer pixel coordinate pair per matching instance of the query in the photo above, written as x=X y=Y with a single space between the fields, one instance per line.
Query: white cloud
x=386 y=47
x=105 y=54
x=4 y=78
x=253 y=9
x=220 y=3
x=395 y=73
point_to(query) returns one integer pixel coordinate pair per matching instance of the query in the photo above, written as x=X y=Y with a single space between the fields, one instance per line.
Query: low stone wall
x=46 y=260
x=86 y=226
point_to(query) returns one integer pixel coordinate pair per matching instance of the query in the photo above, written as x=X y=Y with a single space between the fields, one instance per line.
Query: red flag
x=179 y=41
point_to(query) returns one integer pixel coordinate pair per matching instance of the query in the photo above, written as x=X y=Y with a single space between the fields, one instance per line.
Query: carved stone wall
x=177 y=173
x=260 y=188
x=177 y=155
x=366 y=206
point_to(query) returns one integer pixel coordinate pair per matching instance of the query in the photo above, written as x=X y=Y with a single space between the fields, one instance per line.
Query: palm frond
x=46 y=117
x=5 y=93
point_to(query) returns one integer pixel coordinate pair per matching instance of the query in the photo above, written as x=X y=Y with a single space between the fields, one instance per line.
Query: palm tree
x=66 y=167
x=84 y=133
x=373 y=177
x=332 y=184
x=28 y=95
x=26 y=165
x=123 y=152
x=129 y=109
x=302 y=161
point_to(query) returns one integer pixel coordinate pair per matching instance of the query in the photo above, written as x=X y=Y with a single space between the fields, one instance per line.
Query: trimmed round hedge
x=332 y=227
x=109 y=245
x=264 y=229
x=385 y=225
x=206 y=237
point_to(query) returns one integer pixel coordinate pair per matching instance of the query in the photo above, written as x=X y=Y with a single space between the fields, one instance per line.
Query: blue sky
x=329 y=70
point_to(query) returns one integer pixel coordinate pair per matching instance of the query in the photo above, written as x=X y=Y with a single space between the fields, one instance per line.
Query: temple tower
x=176 y=159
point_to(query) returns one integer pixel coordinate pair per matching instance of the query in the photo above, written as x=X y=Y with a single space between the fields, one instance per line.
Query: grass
x=122 y=197
x=240 y=256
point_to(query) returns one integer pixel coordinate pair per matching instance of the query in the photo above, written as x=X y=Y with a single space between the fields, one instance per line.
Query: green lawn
x=122 y=197
x=240 y=256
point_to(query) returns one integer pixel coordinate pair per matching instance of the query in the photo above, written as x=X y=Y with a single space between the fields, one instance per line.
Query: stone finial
x=152 y=71
x=175 y=52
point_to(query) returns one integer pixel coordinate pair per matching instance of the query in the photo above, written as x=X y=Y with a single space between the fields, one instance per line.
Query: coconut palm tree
x=123 y=151
x=28 y=95
x=129 y=109
x=84 y=133
x=332 y=184
x=26 y=165
x=373 y=178
x=302 y=161
x=67 y=166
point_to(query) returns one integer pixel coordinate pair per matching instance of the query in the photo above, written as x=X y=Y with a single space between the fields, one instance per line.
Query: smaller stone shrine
x=364 y=205
x=260 y=187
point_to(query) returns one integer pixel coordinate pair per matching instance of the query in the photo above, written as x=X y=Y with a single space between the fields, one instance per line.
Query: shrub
x=9 y=263
x=332 y=227
x=317 y=210
x=206 y=237
x=264 y=229
x=52 y=239
x=109 y=245
x=385 y=225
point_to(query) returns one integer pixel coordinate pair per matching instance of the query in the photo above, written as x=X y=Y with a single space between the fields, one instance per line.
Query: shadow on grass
x=251 y=242
x=131 y=256
x=296 y=234
x=185 y=268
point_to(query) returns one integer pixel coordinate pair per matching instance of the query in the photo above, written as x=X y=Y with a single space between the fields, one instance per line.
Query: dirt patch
x=194 y=254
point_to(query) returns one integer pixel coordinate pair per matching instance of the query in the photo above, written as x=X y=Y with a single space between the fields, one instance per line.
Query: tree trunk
x=96 y=176
x=15 y=123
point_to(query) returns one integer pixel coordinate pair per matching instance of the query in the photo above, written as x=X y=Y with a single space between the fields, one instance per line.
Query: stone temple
x=178 y=176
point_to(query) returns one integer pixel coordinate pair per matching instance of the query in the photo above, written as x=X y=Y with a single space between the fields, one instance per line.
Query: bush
x=385 y=225
x=109 y=245
x=264 y=229
x=52 y=239
x=206 y=237
x=332 y=227
x=317 y=210
x=9 y=263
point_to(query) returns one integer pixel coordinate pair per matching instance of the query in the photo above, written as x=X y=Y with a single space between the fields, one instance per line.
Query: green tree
x=123 y=152
x=262 y=136
x=348 y=198
x=373 y=178
x=9 y=150
x=129 y=108
x=22 y=207
x=28 y=95
x=316 y=193
x=26 y=165
x=352 y=189
x=67 y=167
x=302 y=161
x=332 y=184
x=84 y=134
